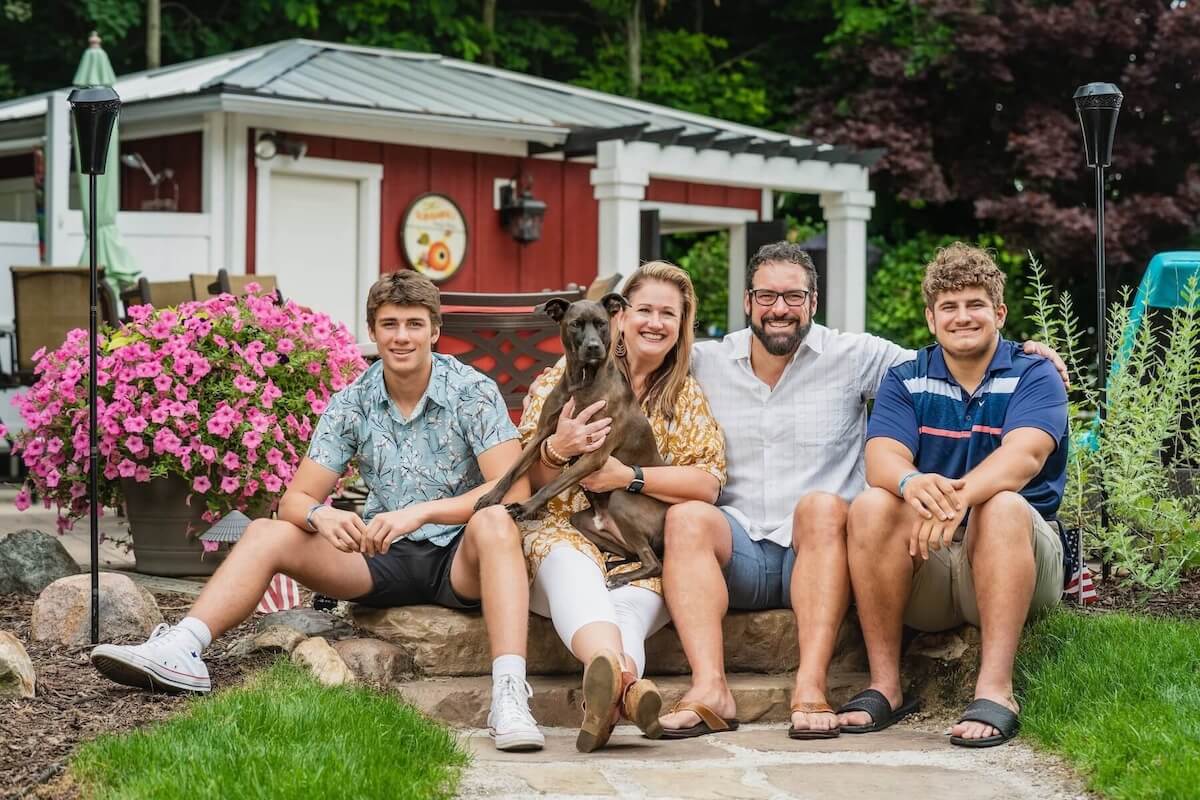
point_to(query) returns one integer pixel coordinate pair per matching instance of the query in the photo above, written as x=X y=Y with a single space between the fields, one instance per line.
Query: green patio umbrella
x=111 y=253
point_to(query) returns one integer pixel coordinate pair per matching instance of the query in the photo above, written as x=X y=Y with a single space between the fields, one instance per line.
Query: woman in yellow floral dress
x=606 y=629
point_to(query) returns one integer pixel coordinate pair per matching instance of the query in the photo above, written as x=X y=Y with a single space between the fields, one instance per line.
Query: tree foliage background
x=971 y=98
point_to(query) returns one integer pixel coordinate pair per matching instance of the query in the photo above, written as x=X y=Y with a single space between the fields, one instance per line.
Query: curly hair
x=961 y=266
x=405 y=287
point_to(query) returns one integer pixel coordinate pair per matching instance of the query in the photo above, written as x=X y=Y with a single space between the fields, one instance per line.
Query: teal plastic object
x=1162 y=286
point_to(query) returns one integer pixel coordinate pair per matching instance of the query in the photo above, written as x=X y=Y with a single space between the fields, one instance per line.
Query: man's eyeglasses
x=767 y=297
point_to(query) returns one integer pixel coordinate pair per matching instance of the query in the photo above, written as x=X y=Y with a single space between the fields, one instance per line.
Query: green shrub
x=1153 y=528
x=896 y=308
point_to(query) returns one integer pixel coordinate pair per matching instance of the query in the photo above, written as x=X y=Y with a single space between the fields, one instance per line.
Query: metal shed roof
x=566 y=117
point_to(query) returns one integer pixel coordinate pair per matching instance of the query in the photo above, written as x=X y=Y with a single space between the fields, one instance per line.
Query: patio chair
x=204 y=285
x=160 y=294
x=47 y=303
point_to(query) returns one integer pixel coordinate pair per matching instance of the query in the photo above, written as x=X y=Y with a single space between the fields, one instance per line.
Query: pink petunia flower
x=201 y=484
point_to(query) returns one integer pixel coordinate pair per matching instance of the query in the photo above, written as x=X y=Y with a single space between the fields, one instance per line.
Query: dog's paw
x=516 y=511
x=487 y=500
x=616 y=582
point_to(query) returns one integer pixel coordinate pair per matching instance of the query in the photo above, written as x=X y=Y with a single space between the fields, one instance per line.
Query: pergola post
x=846 y=215
x=620 y=189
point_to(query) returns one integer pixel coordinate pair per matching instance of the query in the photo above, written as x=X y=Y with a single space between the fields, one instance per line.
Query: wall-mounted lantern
x=270 y=144
x=136 y=161
x=521 y=214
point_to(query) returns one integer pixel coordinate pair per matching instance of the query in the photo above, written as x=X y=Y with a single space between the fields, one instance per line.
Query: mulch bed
x=1181 y=604
x=74 y=703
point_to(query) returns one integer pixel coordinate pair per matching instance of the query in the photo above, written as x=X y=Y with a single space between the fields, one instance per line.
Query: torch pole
x=1101 y=351
x=93 y=444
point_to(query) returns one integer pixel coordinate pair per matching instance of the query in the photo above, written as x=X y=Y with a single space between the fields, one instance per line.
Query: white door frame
x=369 y=177
x=685 y=218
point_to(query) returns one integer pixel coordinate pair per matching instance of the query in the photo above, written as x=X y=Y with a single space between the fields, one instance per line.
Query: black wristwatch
x=638 y=483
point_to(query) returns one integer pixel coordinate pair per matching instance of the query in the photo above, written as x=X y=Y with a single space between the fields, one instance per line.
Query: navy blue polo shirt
x=950 y=432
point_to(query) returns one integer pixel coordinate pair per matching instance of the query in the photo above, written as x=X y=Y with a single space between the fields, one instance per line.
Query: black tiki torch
x=1098 y=105
x=94 y=111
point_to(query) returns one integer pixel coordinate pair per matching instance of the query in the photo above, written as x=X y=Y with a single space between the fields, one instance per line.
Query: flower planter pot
x=165 y=528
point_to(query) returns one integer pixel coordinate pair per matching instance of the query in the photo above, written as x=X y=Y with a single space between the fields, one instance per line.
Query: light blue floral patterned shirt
x=429 y=456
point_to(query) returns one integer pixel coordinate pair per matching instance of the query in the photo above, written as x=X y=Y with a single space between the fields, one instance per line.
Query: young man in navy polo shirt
x=966 y=458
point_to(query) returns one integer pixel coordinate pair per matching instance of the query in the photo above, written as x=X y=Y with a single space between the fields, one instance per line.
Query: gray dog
x=625 y=524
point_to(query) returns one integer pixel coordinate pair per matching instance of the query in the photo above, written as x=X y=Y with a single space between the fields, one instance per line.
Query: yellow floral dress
x=692 y=439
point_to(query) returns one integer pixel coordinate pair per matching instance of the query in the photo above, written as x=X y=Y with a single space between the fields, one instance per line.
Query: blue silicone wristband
x=905 y=480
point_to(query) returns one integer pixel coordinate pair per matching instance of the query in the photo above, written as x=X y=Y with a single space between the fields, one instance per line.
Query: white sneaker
x=169 y=659
x=510 y=723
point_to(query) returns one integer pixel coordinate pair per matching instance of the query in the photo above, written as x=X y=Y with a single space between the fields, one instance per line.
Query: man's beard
x=781 y=344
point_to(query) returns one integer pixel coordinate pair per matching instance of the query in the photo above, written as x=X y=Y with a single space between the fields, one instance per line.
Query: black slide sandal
x=989 y=713
x=873 y=702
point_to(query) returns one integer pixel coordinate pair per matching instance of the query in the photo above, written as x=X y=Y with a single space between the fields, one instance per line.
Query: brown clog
x=642 y=704
x=602 y=689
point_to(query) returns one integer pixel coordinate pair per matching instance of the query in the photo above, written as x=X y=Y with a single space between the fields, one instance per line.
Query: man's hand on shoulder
x=389 y=526
x=343 y=529
x=1039 y=349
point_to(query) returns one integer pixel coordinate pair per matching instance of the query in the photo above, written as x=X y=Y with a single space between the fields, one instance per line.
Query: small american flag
x=282 y=594
x=1080 y=588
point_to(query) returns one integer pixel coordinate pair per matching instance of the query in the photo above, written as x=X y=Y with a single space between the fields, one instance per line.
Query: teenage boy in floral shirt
x=430 y=435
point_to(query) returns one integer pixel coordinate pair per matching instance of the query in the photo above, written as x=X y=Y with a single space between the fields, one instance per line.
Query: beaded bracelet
x=549 y=457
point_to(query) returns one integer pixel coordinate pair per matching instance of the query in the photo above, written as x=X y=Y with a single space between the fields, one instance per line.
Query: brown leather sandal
x=602 y=689
x=642 y=704
x=808 y=733
x=710 y=722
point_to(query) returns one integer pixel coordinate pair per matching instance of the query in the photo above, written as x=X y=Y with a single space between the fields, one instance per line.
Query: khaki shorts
x=943 y=588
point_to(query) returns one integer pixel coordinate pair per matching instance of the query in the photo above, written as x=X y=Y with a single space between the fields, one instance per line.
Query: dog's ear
x=613 y=302
x=554 y=308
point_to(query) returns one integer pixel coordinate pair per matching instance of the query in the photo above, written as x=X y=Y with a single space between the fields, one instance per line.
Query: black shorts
x=414 y=573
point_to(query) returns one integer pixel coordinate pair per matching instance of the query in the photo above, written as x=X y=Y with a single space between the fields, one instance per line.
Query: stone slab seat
x=558 y=701
x=446 y=643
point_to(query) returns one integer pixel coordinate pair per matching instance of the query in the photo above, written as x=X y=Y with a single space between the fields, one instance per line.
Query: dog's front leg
x=568 y=478
x=528 y=456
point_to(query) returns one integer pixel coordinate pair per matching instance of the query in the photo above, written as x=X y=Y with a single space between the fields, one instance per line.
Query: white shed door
x=314 y=244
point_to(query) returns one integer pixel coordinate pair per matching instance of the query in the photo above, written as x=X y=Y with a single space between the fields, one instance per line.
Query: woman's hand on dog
x=612 y=476
x=576 y=434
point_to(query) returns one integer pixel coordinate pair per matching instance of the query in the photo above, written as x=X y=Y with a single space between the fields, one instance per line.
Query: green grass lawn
x=282 y=735
x=1119 y=696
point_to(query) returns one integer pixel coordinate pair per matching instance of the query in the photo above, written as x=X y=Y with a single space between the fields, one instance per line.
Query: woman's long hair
x=665 y=383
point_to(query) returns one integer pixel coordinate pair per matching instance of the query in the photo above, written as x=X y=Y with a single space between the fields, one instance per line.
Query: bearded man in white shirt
x=791 y=397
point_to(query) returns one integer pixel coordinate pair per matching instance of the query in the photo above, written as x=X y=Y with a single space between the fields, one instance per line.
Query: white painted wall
x=18 y=247
x=167 y=245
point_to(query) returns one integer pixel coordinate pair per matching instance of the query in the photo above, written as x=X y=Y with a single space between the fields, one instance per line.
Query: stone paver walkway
x=759 y=762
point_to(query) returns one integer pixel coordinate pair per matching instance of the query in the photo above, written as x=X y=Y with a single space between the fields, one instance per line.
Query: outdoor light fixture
x=1098 y=105
x=136 y=161
x=270 y=144
x=94 y=111
x=521 y=215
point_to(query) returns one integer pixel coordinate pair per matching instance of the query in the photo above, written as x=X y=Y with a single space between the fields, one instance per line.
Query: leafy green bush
x=896 y=308
x=1142 y=451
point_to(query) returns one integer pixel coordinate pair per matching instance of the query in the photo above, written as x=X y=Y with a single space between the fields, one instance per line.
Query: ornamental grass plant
x=223 y=393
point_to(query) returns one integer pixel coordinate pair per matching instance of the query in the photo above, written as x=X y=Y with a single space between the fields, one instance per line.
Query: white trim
x=766 y=208
x=736 y=309
x=369 y=178
x=846 y=215
x=58 y=179
x=235 y=222
x=212 y=201
x=163 y=224
x=685 y=218
x=743 y=169
x=376 y=132
x=620 y=190
x=428 y=123
x=20 y=145
x=132 y=131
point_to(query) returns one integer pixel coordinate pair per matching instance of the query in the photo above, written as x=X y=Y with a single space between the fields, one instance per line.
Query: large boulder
x=374 y=662
x=322 y=661
x=31 y=560
x=62 y=613
x=453 y=643
x=16 y=670
x=309 y=622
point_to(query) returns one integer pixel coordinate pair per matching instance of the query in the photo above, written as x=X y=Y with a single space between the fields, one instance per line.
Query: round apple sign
x=434 y=236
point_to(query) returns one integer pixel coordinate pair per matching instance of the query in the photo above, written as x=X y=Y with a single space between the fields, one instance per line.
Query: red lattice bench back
x=503 y=336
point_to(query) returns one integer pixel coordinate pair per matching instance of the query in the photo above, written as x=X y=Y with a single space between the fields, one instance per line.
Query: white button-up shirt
x=805 y=435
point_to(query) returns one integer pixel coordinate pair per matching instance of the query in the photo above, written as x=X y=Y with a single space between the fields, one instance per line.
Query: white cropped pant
x=569 y=588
